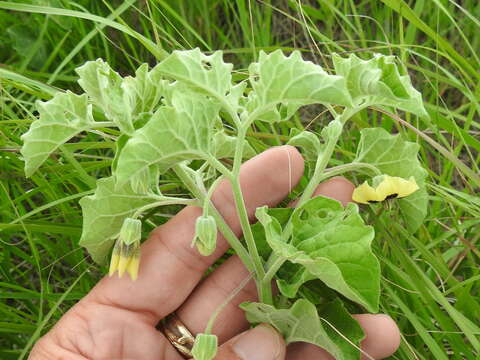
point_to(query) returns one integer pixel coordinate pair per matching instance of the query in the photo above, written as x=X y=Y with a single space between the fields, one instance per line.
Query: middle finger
x=213 y=291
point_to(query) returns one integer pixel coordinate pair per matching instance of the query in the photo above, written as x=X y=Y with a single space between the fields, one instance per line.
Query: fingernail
x=260 y=343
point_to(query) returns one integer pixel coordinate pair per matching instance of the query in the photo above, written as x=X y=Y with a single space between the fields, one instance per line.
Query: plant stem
x=210 y=193
x=273 y=268
x=162 y=201
x=323 y=160
x=341 y=169
x=222 y=225
x=219 y=309
x=103 y=124
x=219 y=166
x=263 y=293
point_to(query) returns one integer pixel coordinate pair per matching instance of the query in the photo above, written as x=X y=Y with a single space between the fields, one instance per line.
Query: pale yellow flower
x=389 y=187
x=126 y=253
x=125 y=258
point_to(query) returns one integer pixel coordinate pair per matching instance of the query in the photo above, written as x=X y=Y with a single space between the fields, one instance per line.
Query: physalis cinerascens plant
x=164 y=118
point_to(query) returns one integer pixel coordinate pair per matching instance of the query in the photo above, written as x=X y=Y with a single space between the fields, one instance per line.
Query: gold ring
x=178 y=335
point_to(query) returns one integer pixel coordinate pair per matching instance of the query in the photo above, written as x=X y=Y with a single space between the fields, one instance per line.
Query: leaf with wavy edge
x=183 y=131
x=281 y=84
x=378 y=82
x=122 y=99
x=61 y=118
x=329 y=243
x=302 y=322
x=104 y=213
x=208 y=74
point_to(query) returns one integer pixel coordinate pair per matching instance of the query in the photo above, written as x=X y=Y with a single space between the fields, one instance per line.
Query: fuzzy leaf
x=205 y=73
x=302 y=322
x=281 y=215
x=308 y=141
x=104 y=213
x=331 y=244
x=378 y=82
x=225 y=146
x=146 y=90
x=183 y=131
x=61 y=118
x=122 y=99
x=396 y=157
x=283 y=84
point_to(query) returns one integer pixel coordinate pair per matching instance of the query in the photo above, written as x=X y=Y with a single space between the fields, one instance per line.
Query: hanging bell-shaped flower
x=126 y=253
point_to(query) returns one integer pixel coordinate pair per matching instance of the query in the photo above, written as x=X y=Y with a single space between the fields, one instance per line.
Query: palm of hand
x=96 y=331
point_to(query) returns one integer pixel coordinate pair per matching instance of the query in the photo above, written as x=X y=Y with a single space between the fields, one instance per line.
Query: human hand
x=117 y=319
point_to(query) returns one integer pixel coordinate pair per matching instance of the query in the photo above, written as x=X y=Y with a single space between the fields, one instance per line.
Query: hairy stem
x=355 y=166
x=163 y=201
x=219 y=309
x=243 y=215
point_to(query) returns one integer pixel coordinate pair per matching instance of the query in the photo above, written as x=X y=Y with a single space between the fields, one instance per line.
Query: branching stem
x=243 y=214
x=222 y=225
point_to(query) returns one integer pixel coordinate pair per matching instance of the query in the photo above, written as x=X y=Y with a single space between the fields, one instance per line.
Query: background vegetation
x=430 y=281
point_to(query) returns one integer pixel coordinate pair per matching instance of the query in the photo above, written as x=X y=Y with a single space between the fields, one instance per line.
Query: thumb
x=260 y=343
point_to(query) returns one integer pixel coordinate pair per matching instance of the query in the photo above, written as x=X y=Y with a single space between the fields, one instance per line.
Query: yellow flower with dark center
x=389 y=187
x=125 y=258
x=126 y=253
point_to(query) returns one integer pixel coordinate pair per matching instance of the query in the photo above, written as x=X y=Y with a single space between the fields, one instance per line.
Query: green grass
x=431 y=281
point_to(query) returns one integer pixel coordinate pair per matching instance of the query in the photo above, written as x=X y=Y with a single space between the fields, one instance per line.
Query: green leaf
x=205 y=73
x=282 y=215
x=145 y=90
x=332 y=131
x=61 y=118
x=302 y=322
x=396 y=157
x=183 y=131
x=283 y=84
x=104 y=88
x=205 y=347
x=308 y=141
x=329 y=243
x=225 y=146
x=342 y=328
x=104 y=213
x=122 y=99
x=378 y=82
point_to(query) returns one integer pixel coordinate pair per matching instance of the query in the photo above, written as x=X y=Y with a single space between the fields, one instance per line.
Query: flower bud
x=131 y=231
x=205 y=347
x=205 y=235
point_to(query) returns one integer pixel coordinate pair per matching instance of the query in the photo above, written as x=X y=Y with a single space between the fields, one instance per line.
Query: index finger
x=169 y=267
